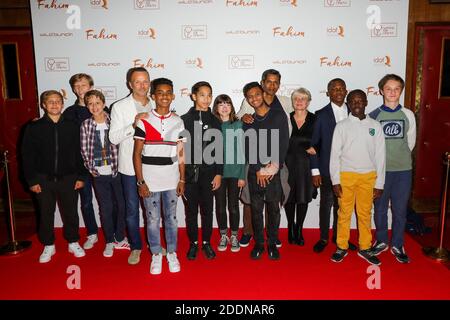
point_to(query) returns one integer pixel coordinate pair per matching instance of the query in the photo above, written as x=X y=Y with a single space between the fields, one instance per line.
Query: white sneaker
x=174 y=264
x=109 y=250
x=47 y=254
x=89 y=244
x=77 y=251
x=156 y=265
x=122 y=245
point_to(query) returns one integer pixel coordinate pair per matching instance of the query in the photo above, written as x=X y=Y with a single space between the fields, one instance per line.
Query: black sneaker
x=320 y=245
x=256 y=252
x=274 y=254
x=192 y=252
x=208 y=251
x=278 y=243
x=379 y=247
x=245 y=240
x=369 y=257
x=400 y=255
x=339 y=255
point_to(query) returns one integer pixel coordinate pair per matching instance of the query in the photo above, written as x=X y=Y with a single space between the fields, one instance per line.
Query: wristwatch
x=140 y=183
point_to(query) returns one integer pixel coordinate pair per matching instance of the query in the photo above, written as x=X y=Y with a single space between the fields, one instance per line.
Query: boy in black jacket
x=54 y=170
x=202 y=177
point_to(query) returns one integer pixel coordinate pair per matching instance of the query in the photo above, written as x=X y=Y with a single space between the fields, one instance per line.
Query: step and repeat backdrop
x=225 y=42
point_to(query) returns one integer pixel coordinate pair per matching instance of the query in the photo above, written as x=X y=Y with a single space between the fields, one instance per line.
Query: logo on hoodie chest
x=393 y=129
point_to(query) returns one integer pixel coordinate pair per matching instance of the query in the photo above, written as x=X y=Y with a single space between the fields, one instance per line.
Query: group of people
x=273 y=153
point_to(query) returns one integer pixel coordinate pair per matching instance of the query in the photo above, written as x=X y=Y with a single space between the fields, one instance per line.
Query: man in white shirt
x=125 y=114
x=357 y=171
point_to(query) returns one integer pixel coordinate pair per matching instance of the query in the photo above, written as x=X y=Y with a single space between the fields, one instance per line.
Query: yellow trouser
x=356 y=187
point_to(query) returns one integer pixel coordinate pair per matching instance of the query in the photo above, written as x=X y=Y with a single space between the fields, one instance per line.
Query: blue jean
x=111 y=202
x=87 y=210
x=397 y=188
x=132 y=206
x=153 y=212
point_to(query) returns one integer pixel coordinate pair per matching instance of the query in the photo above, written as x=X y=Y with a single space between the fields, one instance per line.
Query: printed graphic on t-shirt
x=393 y=129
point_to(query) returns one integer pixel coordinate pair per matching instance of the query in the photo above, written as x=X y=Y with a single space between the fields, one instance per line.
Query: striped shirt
x=159 y=155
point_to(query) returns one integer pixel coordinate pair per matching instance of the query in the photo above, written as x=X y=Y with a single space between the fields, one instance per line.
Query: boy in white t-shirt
x=159 y=165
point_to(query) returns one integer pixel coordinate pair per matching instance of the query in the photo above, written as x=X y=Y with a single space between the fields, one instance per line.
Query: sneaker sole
x=337 y=261
x=79 y=256
x=222 y=249
x=156 y=273
x=107 y=256
x=372 y=263
x=175 y=271
x=235 y=250
x=47 y=260
x=243 y=245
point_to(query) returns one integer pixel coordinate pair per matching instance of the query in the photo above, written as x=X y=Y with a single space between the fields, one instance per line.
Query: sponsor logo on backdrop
x=241 y=3
x=384 y=30
x=289 y=32
x=241 y=62
x=242 y=32
x=184 y=92
x=292 y=3
x=148 y=33
x=53 y=4
x=334 y=62
x=289 y=61
x=337 y=3
x=53 y=64
x=382 y=61
x=194 y=63
x=92 y=34
x=110 y=93
x=63 y=93
x=149 y=64
x=372 y=91
x=146 y=4
x=56 y=34
x=103 y=64
x=287 y=89
x=336 y=31
x=195 y=1
x=194 y=32
x=99 y=4
x=236 y=91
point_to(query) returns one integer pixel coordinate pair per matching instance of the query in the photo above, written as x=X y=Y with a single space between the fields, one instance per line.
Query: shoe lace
x=234 y=241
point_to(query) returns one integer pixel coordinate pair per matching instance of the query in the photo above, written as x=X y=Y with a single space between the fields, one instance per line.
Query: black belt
x=157 y=161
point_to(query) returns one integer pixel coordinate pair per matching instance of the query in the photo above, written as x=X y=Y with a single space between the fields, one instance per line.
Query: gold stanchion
x=441 y=254
x=13 y=246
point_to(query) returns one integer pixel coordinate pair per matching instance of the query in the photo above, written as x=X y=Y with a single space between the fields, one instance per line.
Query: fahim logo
x=241 y=3
x=194 y=32
x=337 y=3
x=372 y=91
x=292 y=3
x=149 y=33
x=384 y=30
x=99 y=4
x=149 y=64
x=43 y=4
x=393 y=129
x=336 y=31
x=194 y=63
x=289 y=32
x=382 y=61
x=241 y=62
x=56 y=64
x=102 y=35
x=336 y=62
x=146 y=4
x=110 y=93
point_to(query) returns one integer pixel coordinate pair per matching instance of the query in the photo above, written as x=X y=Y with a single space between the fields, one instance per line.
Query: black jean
x=228 y=193
x=200 y=193
x=61 y=190
x=271 y=197
x=327 y=200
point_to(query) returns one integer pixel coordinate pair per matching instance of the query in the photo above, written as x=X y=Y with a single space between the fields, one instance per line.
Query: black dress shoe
x=208 y=251
x=320 y=245
x=352 y=247
x=300 y=240
x=257 y=251
x=192 y=252
x=274 y=254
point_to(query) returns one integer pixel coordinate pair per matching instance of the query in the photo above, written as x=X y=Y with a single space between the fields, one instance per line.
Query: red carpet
x=300 y=274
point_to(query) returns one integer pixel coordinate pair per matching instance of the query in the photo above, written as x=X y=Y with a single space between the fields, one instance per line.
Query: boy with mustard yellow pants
x=357 y=170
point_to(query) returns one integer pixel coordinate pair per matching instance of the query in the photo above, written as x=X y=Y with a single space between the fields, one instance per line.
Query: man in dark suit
x=326 y=119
